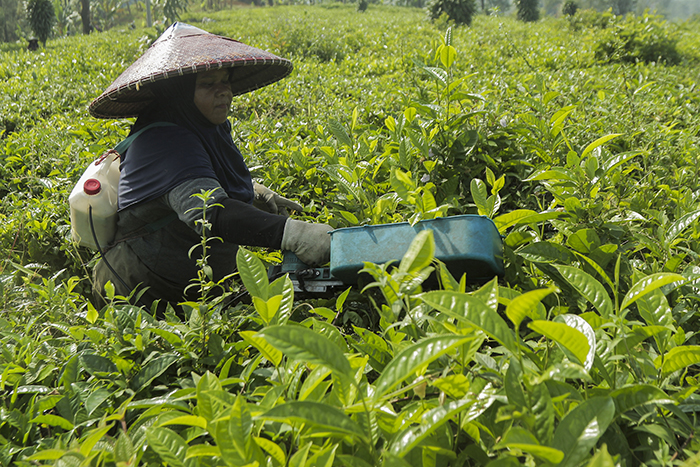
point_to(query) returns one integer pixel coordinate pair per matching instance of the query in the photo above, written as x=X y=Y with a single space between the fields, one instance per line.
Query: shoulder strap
x=124 y=145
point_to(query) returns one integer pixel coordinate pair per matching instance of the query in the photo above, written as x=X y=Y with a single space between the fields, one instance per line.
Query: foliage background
x=583 y=150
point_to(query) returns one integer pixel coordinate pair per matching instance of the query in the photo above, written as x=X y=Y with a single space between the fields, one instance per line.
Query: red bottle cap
x=92 y=186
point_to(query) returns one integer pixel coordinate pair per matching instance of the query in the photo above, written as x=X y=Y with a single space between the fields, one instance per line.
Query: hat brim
x=181 y=50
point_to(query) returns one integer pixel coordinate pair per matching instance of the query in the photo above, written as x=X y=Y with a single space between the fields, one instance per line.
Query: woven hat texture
x=184 y=49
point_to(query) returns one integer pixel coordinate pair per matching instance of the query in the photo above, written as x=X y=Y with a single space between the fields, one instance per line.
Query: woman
x=181 y=90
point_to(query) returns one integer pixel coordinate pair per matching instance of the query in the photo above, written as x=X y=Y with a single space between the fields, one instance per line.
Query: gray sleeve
x=188 y=207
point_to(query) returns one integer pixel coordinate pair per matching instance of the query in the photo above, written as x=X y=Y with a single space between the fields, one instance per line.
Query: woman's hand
x=269 y=201
x=310 y=242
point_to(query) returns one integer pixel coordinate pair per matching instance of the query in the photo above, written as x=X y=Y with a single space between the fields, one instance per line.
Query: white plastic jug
x=97 y=190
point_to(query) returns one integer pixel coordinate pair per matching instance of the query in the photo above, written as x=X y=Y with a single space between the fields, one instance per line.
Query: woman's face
x=212 y=95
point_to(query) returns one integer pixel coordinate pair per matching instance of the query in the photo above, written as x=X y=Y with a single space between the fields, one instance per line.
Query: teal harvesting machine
x=466 y=244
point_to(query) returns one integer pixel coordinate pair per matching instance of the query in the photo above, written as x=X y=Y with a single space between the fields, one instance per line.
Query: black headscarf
x=163 y=157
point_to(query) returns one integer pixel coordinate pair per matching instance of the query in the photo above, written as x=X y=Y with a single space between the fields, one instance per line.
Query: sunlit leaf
x=272 y=449
x=566 y=336
x=507 y=220
x=524 y=305
x=648 y=284
x=272 y=355
x=202 y=450
x=678 y=358
x=420 y=252
x=52 y=420
x=599 y=142
x=91 y=439
x=187 y=420
x=582 y=326
x=480 y=196
x=520 y=438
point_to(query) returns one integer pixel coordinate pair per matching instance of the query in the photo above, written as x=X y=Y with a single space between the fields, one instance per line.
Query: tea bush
x=584 y=354
x=639 y=39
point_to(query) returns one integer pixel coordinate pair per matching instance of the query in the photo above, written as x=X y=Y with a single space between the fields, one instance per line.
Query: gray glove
x=269 y=201
x=310 y=242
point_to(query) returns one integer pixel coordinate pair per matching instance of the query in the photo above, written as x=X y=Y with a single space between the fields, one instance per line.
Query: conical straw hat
x=184 y=49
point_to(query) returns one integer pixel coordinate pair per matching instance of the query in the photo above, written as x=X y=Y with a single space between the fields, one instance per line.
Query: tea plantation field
x=578 y=136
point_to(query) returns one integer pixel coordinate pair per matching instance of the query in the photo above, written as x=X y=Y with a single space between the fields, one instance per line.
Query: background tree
x=622 y=7
x=9 y=20
x=528 y=10
x=570 y=8
x=502 y=5
x=85 y=15
x=41 y=18
x=459 y=11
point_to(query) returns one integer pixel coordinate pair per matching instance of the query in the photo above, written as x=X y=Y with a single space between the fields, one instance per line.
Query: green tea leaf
x=300 y=343
x=631 y=397
x=542 y=409
x=525 y=305
x=168 y=445
x=509 y=219
x=92 y=438
x=588 y=287
x=430 y=422
x=678 y=358
x=513 y=385
x=272 y=449
x=584 y=328
x=474 y=311
x=584 y=240
x=448 y=54
x=564 y=335
x=96 y=364
x=253 y=274
x=339 y=132
x=92 y=313
x=46 y=455
x=186 y=420
x=52 y=420
x=648 y=284
x=283 y=287
x=480 y=196
x=438 y=74
x=545 y=252
x=675 y=229
x=152 y=370
x=599 y=142
x=417 y=355
x=322 y=416
x=202 y=450
x=519 y=438
x=580 y=429
x=267 y=309
x=272 y=355
x=96 y=398
x=420 y=253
